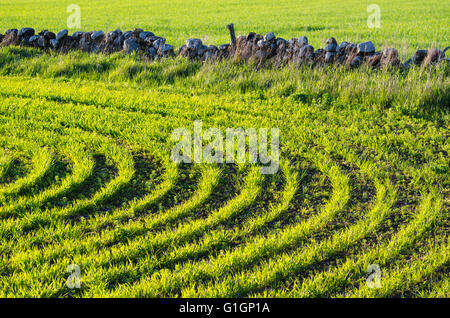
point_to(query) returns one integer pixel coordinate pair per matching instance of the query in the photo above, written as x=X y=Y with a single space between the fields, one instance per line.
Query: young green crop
x=89 y=180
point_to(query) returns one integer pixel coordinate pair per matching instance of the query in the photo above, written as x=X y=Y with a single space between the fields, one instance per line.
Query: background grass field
x=406 y=25
x=86 y=176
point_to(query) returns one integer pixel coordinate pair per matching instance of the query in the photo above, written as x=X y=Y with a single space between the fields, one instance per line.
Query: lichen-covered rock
x=118 y=42
x=159 y=43
x=261 y=44
x=281 y=41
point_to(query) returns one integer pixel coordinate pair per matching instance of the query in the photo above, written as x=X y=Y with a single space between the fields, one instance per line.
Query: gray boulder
x=33 y=39
x=49 y=35
x=25 y=32
x=269 y=37
x=41 y=41
x=407 y=64
x=54 y=43
x=302 y=41
x=167 y=49
x=97 y=36
x=9 y=31
x=331 y=45
x=202 y=50
x=25 y=41
x=262 y=43
x=85 y=43
x=357 y=61
x=213 y=48
x=342 y=46
x=366 y=48
x=117 y=32
x=251 y=36
x=77 y=35
x=329 y=57
x=419 y=56
x=307 y=52
x=224 y=47
x=128 y=34
x=151 y=52
x=136 y=32
x=194 y=43
x=281 y=41
x=130 y=45
x=61 y=34
x=144 y=35
x=181 y=49
x=159 y=42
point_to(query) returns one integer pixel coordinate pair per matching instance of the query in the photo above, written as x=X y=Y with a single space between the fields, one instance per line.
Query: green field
x=405 y=25
x=86 y=176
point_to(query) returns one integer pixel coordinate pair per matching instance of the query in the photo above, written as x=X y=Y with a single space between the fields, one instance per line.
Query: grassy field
x=86 y=176
x=406 y=25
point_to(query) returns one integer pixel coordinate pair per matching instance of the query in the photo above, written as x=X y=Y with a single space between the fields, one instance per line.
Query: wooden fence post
x=230 y=28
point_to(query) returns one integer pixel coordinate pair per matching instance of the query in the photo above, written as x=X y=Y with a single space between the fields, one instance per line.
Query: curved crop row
x=98 y=189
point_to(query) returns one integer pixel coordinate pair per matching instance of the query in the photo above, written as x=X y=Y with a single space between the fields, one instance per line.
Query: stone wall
x=253 y=47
